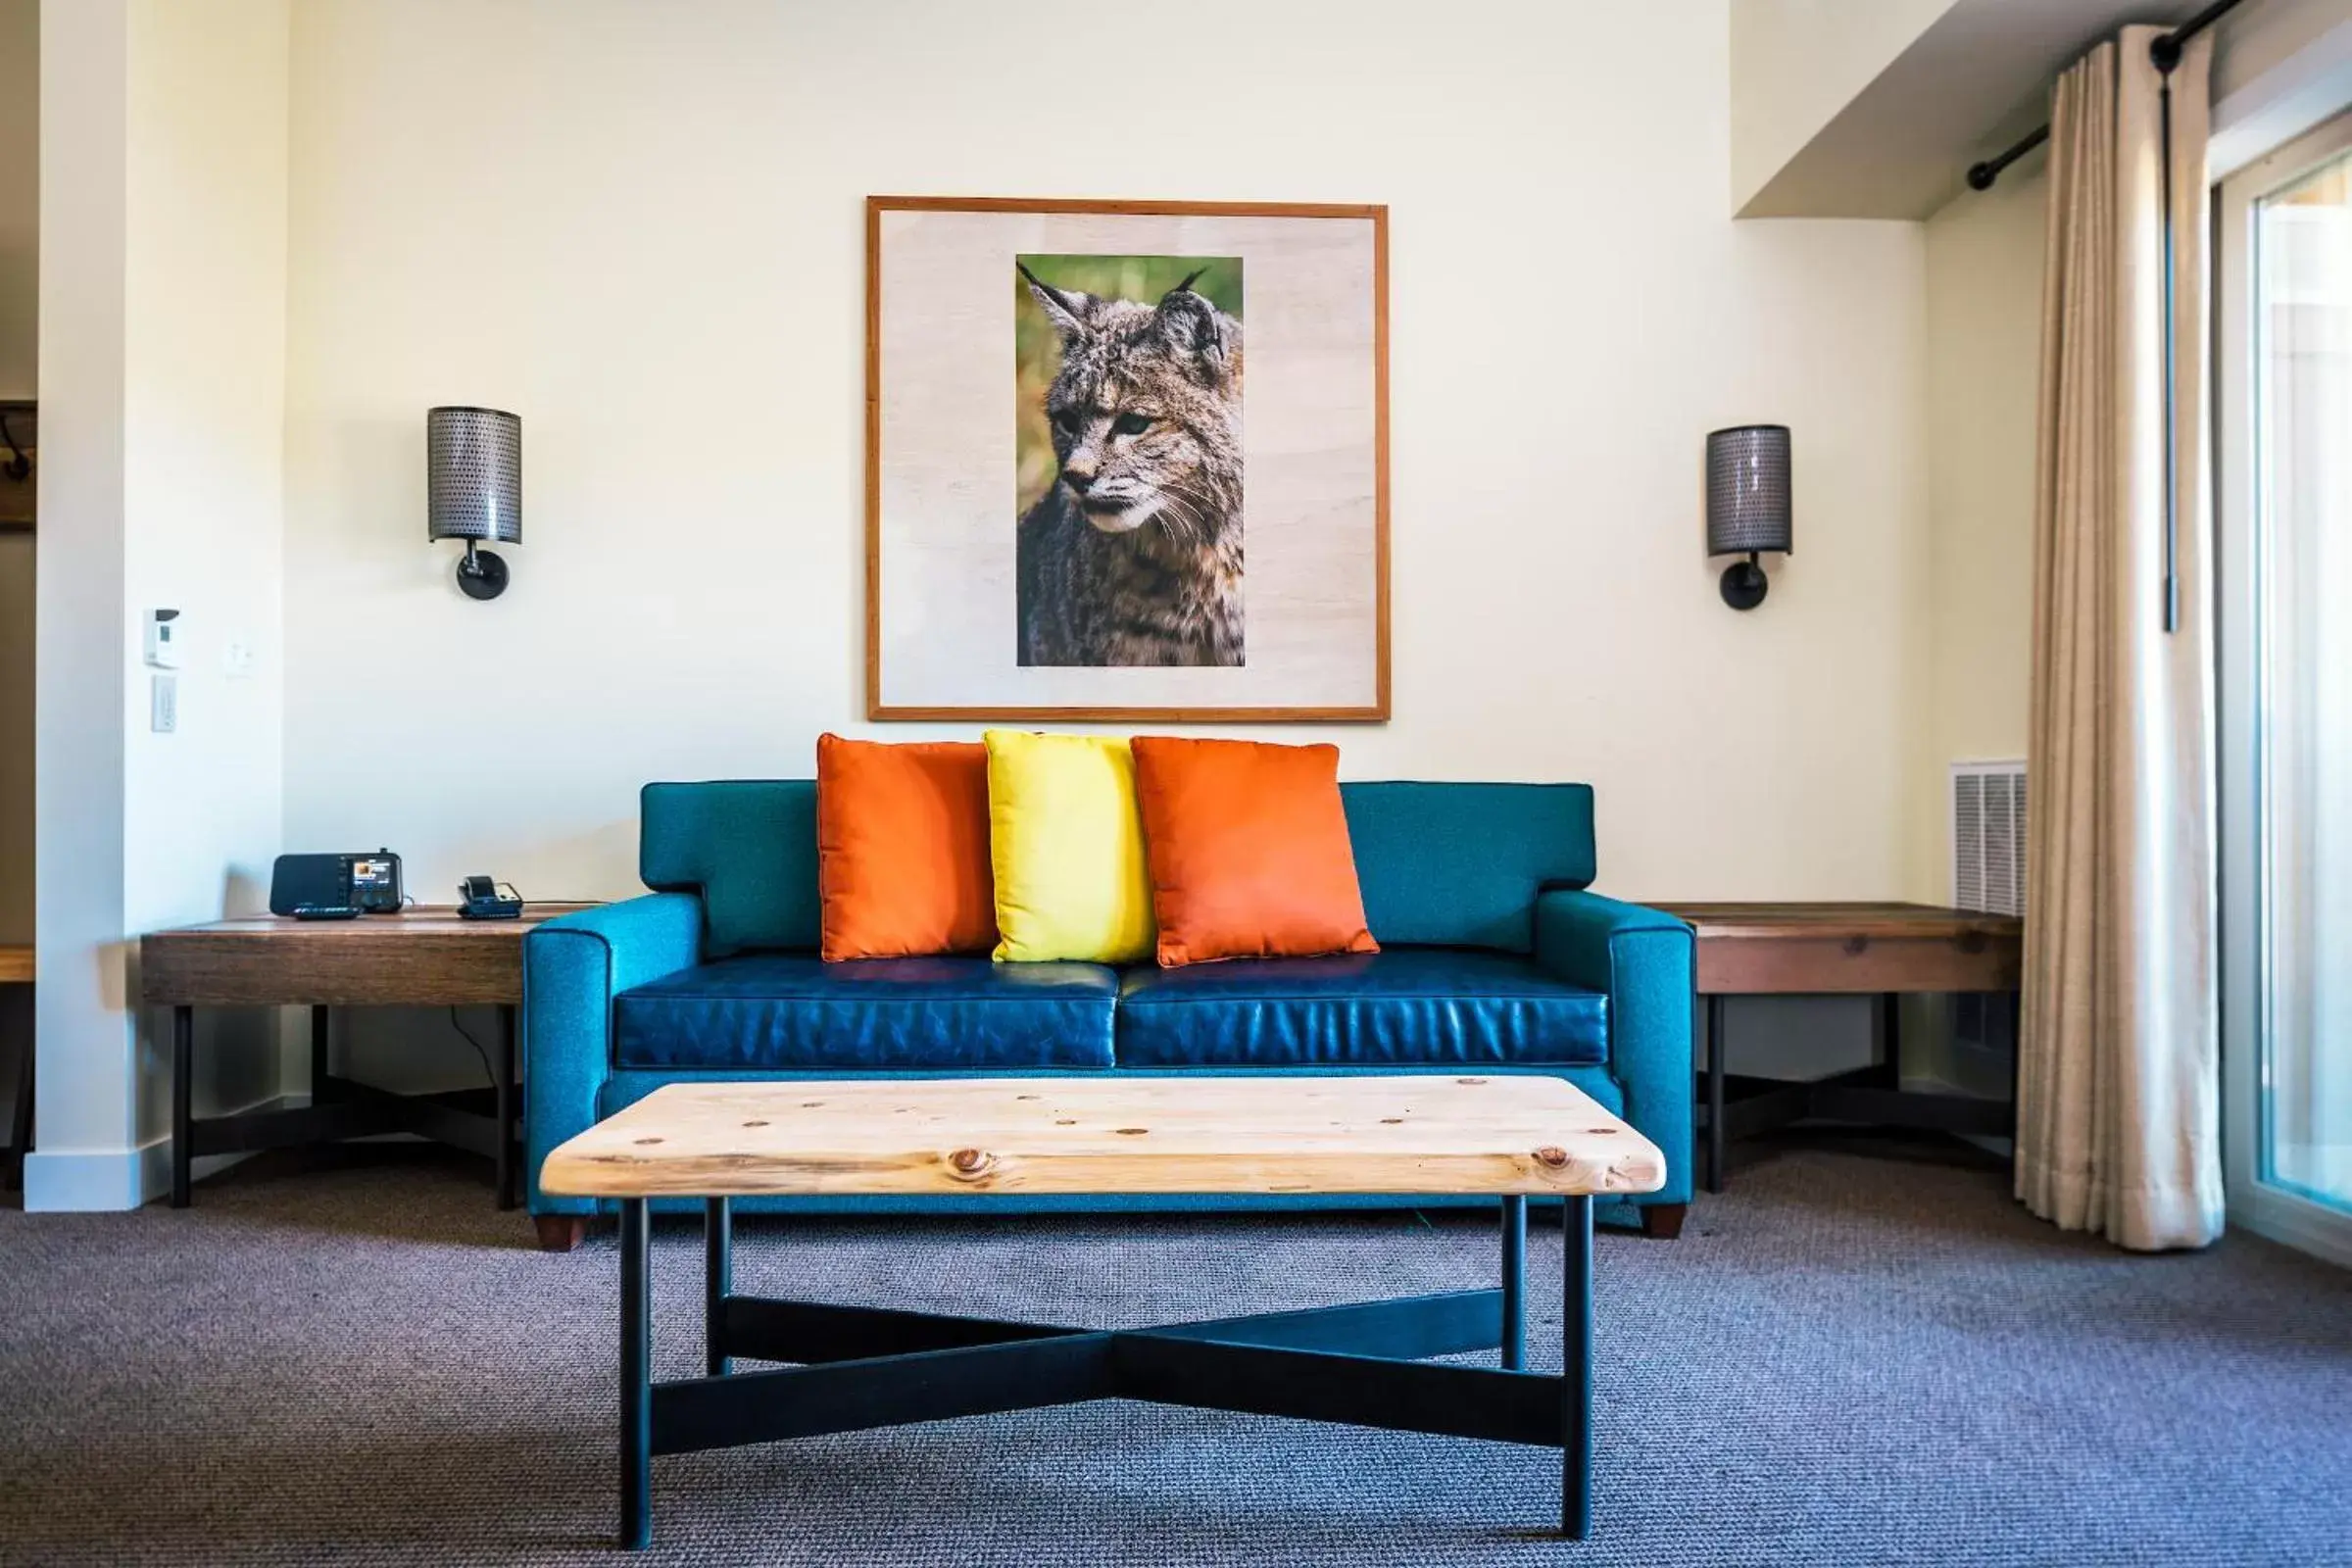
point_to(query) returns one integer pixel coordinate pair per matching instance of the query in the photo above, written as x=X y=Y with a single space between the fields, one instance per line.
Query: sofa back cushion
x=748 y=847
x=1459 y=865
x=1441 y=864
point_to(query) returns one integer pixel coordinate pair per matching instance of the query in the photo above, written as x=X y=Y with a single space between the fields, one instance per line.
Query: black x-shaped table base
x=859 y=1367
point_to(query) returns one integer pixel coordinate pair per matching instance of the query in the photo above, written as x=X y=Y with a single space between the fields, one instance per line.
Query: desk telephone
x=481 y=897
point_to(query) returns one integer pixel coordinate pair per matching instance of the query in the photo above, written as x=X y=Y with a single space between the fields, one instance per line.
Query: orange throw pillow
x=902 y=849
x=1248 y=846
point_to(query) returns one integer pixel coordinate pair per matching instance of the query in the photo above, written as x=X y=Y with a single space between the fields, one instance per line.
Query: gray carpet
x=1844 y=1360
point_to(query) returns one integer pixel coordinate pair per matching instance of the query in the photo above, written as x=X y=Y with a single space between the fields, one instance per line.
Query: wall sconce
x=473 y=489
x=1748 y=505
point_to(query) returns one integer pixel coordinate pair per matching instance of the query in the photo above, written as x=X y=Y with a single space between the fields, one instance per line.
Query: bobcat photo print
x=1061 y=537
x=1129 y=459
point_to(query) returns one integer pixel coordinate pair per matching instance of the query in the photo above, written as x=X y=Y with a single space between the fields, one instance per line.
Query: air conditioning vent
x=1988 y=837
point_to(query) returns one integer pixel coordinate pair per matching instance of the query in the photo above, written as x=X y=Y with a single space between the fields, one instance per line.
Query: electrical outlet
x=236 y=658
x=162 y=703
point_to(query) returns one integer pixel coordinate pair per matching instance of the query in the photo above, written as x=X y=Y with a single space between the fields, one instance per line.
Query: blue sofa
x=1494 y=958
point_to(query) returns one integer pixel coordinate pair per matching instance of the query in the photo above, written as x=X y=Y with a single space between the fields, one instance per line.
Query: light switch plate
x=236 y=658
x=162 y=703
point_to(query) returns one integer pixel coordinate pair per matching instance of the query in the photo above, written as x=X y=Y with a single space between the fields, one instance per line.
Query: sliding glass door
x=2284 y=291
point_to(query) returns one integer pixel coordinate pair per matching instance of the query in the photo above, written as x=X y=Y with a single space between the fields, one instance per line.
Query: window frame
x=2240 y=537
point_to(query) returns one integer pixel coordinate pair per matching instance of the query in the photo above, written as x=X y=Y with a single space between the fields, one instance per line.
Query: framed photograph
x=1126 y=461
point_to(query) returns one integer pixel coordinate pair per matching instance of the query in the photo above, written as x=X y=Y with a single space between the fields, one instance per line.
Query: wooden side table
x=422 y=957
x=1881 y=950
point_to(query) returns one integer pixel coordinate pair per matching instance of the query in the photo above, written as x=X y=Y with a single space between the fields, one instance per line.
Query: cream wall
x=164 y=243
x=640 y=227
x=204 y=417
x=203 y=497
x=2272 y=47
x=1795 y=64
x=1984 y=260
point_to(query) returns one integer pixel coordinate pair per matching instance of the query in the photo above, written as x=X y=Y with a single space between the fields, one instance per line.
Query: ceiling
x=1971 y=83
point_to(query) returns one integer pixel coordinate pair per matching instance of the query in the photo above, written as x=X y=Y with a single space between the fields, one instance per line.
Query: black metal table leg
x=1715 y=1069
x=503 y=1091
x=636 y=1377
x=718 y=1280
x=1576 y=1370
x=1515 y=1283
x=184 y=1066
x=2017 y=1055
x=1890 y=1040
x=19 y=1137
x=321 y=1085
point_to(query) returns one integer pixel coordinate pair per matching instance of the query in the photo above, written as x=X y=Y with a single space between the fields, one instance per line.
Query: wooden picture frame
x=1350 y=678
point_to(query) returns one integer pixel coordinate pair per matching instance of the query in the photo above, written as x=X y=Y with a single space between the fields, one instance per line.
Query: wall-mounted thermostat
x=163 y=639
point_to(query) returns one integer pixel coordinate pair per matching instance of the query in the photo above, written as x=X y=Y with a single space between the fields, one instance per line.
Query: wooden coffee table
x=861 y=1367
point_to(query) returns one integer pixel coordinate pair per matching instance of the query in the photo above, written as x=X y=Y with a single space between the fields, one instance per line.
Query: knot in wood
x=971 y=1162
x=1551 y=1158
x=1856 y=946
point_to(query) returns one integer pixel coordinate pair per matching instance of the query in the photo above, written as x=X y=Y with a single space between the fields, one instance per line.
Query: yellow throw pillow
x=1066 y=843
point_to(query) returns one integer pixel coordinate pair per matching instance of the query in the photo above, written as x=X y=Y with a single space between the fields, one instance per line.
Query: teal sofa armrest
x=572 y=967
x=1647 y=961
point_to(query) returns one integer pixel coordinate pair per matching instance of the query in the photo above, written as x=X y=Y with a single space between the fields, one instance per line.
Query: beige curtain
x=2118 y=1083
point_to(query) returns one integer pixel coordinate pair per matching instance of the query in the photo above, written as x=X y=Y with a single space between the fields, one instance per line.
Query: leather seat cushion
x=1406 y=1006
x=793 y=1010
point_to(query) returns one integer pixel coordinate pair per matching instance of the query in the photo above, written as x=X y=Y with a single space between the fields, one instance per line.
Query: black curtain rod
x=2165 y=51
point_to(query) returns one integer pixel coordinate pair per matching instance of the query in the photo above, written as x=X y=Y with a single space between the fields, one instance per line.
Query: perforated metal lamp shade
x=473 y=488
x=1748 y=505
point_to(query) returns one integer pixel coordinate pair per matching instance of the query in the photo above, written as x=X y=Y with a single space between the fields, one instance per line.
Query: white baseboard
x=81 y=1181
x=106 y=1180
x=2298 y=1223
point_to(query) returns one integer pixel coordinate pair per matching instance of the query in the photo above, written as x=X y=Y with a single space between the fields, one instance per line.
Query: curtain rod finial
x=1981 y=175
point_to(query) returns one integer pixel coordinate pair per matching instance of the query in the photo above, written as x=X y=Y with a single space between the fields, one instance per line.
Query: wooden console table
x=422 y=956
x=1881 y=950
